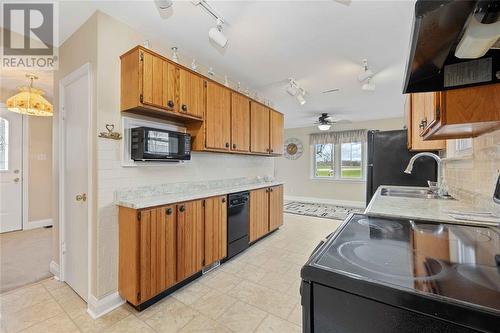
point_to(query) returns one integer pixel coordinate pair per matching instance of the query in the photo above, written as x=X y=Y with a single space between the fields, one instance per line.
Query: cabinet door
x=215 y=229
x=189 y=238
x=191 y=93
x=259 y=128
x=259 y=213
x=275 y=207
x=152 y=80
x=277 y=128
x=169 y=86
x=417 y=109
x=240 y=123
x=157 y=251
x=218 y=117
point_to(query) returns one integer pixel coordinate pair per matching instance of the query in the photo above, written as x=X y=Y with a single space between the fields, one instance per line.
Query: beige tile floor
x=257 y=291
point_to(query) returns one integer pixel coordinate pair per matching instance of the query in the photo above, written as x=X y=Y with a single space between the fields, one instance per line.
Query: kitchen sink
x=411 y=193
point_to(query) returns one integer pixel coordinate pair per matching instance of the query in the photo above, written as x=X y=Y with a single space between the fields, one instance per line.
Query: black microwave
x=152 y=144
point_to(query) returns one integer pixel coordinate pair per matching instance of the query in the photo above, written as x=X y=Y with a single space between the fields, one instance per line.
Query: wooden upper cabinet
x=466 y=112
x=277 y=132
x=259 y=213
x=191 y=93
x=428 y=107
x=259 y=128
x=190 y=238
x=240 y=123
x=417 y=113
x=218 y=117
x=275 y=207
x=215 y=229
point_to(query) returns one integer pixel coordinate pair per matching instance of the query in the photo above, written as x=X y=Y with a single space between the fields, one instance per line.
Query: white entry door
x=75 y=102
x=11 y=160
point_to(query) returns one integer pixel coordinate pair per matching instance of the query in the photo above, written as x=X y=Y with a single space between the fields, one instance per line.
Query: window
x=4 y=144
x=339 y=161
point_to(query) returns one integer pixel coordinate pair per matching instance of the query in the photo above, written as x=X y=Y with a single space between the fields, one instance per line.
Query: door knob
x=169 y=211
x=227 y=144
x=234 y=145
x=184 y=107
x=81 y=197
x=223 y=199
x=182 y=208
x=16 y=180
x=170 y=104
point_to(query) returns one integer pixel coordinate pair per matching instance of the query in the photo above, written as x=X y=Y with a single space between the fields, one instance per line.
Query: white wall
x=297 y=173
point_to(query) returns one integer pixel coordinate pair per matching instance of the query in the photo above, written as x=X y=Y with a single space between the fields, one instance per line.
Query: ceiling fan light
x=301 y=99
x=324 y=127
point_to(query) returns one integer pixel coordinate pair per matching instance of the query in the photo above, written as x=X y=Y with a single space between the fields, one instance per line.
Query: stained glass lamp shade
x=30 y=101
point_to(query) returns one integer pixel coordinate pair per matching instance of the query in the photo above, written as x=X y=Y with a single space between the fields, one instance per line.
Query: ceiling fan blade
x=330 y=90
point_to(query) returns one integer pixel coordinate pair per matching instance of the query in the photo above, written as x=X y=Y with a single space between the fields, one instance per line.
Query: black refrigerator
x=388 y=156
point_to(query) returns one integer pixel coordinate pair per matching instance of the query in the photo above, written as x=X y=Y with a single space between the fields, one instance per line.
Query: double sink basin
x=411 y=193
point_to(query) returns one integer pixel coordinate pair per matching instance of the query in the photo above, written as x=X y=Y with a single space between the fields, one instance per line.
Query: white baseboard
x=37 y=224
x=54 y=269
x=99 y=307
x=347 y=203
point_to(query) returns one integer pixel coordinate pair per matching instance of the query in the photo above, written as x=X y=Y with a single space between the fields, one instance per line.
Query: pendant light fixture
x=30 y=101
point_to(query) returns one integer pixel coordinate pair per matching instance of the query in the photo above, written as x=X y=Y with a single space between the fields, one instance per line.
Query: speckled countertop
x=422 y=209
x=165 y=194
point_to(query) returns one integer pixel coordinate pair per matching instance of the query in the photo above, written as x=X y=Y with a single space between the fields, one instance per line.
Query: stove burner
x=367 y=256
x=486 y=276
x=382 y=225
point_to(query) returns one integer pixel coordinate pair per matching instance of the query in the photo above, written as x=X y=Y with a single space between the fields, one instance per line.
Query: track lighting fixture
x=300 y=97
x=293 y=89
x=216 y=34
x=368 y=85
x=367 y=73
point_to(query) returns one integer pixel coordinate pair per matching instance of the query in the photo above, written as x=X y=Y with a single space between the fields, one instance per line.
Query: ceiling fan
x=325 y=121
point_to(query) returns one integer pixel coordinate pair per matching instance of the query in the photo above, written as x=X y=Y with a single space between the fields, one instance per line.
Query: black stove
x=433 y=275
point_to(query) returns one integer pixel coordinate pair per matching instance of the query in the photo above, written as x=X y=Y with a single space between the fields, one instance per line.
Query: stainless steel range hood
x=438 y=28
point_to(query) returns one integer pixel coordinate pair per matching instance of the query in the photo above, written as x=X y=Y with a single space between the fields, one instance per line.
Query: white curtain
x=359 y=135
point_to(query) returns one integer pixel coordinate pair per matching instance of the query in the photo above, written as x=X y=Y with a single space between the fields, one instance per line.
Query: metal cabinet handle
x=81 y=197
x=234 y=145
x=423 y=124
x=169 y=211
x=184 y=107
x=224 y=199
x=227 y=144
x=170 y=104
x=182 y=208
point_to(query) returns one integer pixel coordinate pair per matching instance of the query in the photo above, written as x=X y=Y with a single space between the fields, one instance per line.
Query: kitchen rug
x=328 y=211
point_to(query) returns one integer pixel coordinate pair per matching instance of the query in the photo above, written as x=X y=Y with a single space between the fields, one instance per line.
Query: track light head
x=217 y=36
x=368 y=86
x=293 y=88
x=300 y=97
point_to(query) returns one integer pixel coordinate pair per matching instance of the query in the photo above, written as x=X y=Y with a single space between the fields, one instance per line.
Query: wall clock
x=293 y=148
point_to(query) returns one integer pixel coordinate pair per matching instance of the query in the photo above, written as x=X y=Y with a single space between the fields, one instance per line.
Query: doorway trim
x=85 y=69
x=24 y=169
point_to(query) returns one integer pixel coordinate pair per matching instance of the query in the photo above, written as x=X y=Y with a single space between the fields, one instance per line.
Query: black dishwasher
x=237 y=223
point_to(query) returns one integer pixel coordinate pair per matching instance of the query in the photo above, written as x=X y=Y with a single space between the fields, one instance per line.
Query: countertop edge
x=181 y=197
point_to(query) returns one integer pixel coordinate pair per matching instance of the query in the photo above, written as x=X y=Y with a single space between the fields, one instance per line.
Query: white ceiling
x=320 y=43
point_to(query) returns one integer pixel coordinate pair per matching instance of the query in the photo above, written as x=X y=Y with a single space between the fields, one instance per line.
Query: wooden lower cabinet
x=147 y=252
x=161 y=247
x=215 y=229
x=190 y=223
x=275 y=207
x=266 y=211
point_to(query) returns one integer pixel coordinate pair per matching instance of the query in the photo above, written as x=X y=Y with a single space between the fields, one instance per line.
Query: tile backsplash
x=471 y=175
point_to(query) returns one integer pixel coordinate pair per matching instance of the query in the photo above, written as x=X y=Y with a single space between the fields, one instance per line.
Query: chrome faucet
x=441 y=190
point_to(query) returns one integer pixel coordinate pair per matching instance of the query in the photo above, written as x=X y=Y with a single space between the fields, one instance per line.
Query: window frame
x=337 y=171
